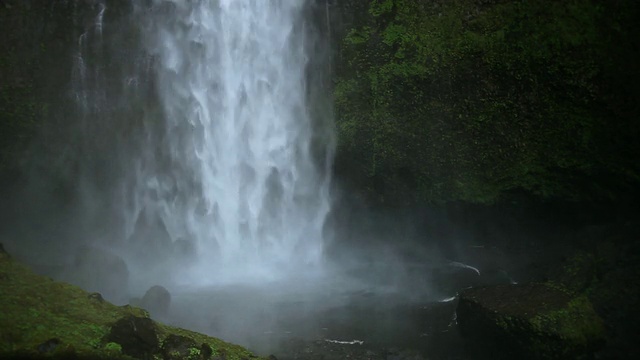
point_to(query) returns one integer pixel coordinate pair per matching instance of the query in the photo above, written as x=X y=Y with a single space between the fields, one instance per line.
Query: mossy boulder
x=529 y=321
x=42 y=318
x=137 y=336
x=177 y=347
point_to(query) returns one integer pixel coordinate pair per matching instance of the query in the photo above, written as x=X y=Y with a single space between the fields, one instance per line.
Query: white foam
x=242 y=183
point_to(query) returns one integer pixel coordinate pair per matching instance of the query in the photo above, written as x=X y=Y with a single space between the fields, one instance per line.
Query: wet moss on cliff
x=471 y=100
x=34 y=70
x=19 y=107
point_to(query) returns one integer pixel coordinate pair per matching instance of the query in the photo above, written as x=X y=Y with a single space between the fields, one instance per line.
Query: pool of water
x=375 y=307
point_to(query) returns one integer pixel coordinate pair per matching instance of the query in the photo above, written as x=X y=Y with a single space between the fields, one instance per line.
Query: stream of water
x=225 y=164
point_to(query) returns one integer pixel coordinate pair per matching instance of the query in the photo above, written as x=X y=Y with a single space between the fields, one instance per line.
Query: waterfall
x=221 y=168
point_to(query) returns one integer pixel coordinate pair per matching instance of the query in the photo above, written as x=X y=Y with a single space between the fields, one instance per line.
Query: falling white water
x=238 y=181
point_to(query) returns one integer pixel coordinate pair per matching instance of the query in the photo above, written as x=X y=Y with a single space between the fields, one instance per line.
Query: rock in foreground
x=528 y=321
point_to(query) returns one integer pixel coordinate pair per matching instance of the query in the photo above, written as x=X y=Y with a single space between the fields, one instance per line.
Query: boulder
x=137 y=336
x=178 y=347
x=528 y=321
x=49 y=345
x=156 y=300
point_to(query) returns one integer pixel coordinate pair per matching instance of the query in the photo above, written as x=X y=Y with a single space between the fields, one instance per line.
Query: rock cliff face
x=35 y=52
x=476 y=100
x=39 y=56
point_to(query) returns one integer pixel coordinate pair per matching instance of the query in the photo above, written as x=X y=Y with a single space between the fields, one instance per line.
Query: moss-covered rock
x=42 y=318
x=529 y=321
x=137 y=336
x=182 y=347
x=607 y=271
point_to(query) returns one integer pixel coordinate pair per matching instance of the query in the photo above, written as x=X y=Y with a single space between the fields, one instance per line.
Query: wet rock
x=528 y=321
x=156 y=300
x=222 y=355
x=177 y=347
x=206 y=351
x=137 y=336
x=49 y=345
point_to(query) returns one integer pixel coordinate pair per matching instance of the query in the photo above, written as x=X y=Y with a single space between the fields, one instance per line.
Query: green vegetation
x=465 y=100
x=44 y=318
x=532 y=321
x=18 y=109
x=577 y=323
x=113 y=348
x=34 y=64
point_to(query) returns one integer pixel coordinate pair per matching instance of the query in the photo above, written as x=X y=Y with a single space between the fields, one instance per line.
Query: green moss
x=459 y=100
x=36 y=309
x=534 y=321
x=113 y=347
x=578 y=323
x=194 y=353
x=567 y=332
